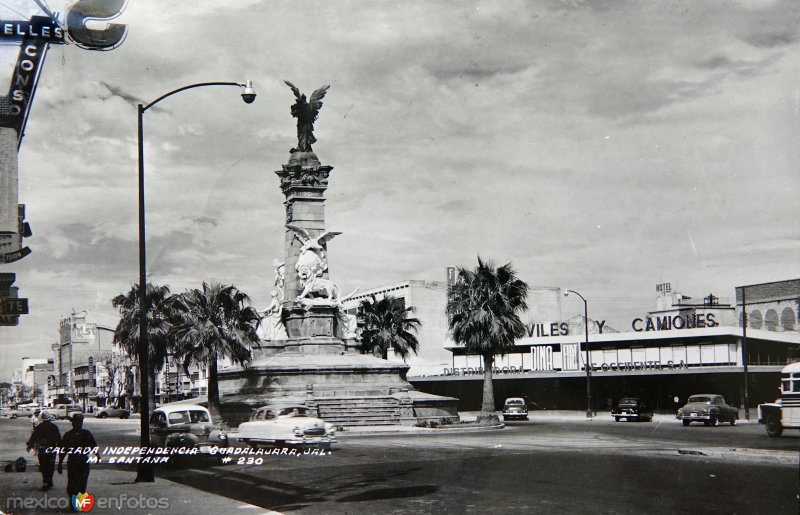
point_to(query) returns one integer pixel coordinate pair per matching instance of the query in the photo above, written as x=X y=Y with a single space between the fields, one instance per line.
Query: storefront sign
x=631 y=366
x=545 y=329
x=10 y=257
x=668 y=323
x=570 y=357
x=540 y=330
x=82 y=332
x=13 y=306
x=38 y=27
x=542 y=357
x=471 y=371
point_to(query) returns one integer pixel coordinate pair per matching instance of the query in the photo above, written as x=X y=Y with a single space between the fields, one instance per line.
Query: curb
x=418 y=431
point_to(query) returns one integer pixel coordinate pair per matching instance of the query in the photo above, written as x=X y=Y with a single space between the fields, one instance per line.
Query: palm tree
x=216 y=322
x=483 y=314
x=160 y=317
x=386 y=325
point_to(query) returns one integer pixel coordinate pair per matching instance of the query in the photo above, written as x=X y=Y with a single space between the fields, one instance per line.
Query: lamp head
x=566 y=293
x=248 y=93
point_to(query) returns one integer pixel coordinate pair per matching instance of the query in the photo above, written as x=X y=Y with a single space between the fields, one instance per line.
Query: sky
x=604 y=147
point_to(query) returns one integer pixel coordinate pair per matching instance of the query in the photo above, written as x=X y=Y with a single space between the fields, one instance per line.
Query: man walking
x=45 y=440
x=76 y=439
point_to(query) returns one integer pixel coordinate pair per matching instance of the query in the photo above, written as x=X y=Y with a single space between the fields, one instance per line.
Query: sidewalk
x=114 y=489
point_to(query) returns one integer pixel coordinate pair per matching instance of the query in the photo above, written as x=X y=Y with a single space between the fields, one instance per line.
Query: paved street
x=549 y=464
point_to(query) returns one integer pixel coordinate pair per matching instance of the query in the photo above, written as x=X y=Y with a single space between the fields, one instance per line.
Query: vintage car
x=185 y=425
x=515 y=407
x=62 y=411
x=708 y=408
x=23 y=410
x=112 y=411
x=632 y=408
x=286 y=425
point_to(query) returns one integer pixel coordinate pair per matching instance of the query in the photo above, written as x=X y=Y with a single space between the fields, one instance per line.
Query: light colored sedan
x=113 y=411
x=293 y=425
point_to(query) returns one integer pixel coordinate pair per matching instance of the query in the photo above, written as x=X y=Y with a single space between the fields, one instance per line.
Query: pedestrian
x=76 y=439
x=45 y=440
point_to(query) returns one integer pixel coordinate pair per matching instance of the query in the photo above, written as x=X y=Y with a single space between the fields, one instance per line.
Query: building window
x=755 y=319
x=787 y=319
x=771 y=320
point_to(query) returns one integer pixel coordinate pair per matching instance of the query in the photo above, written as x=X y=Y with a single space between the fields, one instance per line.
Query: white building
x=429 y=300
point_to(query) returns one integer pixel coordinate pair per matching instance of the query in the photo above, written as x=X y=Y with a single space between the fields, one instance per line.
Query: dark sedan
x=631 y=408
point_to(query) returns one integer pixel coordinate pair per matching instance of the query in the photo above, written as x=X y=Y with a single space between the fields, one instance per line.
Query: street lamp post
x=145 y=471
x=588 y=365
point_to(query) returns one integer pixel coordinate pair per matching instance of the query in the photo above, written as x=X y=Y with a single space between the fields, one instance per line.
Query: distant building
x=683 y=346
x=770 y=306
x=429 y=300
x=84 y=341
x=30 y=380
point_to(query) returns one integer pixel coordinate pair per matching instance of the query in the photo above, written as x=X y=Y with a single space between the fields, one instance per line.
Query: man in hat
x=79 y=439
x=45 y=440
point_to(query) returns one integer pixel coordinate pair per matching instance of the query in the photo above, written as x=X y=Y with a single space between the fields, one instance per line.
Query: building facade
x=84 y=343
x=680 y=348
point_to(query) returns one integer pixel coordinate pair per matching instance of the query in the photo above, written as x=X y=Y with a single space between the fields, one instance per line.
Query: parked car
x=112 y=411
x=708 y=408
x=279 y=425
x=515 y=407
x=632 y=408
x=185 y=425
x=60 y=411
x=23 y=410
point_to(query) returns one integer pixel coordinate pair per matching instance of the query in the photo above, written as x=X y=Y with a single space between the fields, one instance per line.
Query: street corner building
x=681 y=347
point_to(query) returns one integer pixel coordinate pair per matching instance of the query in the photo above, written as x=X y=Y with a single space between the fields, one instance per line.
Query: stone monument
x=309 y=351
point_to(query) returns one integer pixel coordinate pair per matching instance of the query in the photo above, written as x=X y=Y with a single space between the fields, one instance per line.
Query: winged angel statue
x=306 y=113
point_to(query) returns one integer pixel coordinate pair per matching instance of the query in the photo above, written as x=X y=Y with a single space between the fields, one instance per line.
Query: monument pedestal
x=347 y=388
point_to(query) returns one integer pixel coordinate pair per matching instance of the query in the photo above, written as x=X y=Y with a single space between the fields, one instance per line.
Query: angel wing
x=294 y=89
x=300 y=232
x=316 y=98
x=327 y=236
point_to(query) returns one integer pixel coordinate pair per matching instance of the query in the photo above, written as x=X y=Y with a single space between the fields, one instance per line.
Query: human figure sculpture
x=280 y=269
x=271 y=327
x=306 y=112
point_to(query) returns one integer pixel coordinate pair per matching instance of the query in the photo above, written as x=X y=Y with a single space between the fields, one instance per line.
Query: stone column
x=303 y=183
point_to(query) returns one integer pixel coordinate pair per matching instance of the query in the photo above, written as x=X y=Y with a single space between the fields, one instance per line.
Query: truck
x=784 y=413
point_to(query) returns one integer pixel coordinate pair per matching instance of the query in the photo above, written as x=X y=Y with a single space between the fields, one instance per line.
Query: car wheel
x=733 y=420
x=686 y=422
x=713 y=421
x=774 y=426
x=102 y=415
x=617 y=418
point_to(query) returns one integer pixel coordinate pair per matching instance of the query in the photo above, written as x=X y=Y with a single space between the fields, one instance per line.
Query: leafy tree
x=483 y=311
x=114 y=369
x=160 y=318
x=216 y=322
x=6 y=393
x=387 y=325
